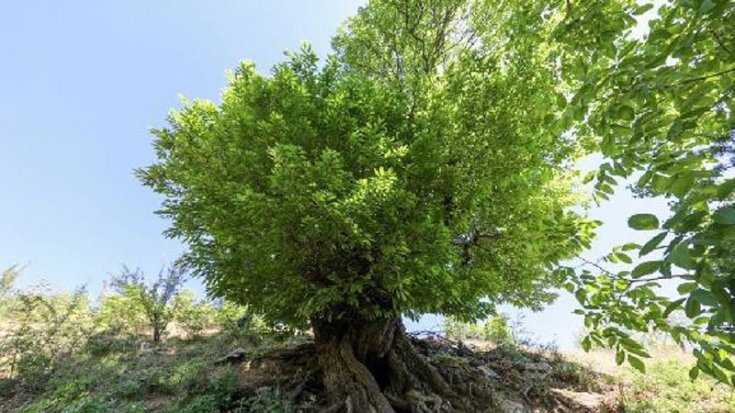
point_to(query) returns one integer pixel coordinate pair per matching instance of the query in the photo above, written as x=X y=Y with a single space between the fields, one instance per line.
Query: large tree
x=423 y=167
x=409 y=173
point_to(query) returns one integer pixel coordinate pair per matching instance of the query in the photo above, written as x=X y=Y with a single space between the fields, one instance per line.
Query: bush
x=108 y=342
x=152 y=299
x=192 y=316
x=130 y=389
x=199 y=404
x=119 y=314
x=496 y=330
x=7 y=387
x=45 y=328
x=33 y=370
x=267 y=400
x=238 y=323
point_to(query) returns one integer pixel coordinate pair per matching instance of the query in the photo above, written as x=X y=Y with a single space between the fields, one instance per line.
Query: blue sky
x=82 y=82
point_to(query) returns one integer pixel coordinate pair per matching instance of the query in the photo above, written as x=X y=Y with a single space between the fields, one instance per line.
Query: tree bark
x=372 y=367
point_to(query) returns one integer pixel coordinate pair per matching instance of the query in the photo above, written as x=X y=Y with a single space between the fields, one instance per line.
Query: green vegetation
x=496 y=330
x=154 y=299
x=65 y=353
x=110 y=370
x=425 y=166
x=661 y=110
x=667 y=388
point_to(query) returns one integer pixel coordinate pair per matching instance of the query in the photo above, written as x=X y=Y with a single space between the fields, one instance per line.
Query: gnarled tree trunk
x=372 y=367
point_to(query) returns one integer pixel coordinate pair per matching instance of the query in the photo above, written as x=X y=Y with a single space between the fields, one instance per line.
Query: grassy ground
x=665 y=388
x=128 y=375
x=131 y=376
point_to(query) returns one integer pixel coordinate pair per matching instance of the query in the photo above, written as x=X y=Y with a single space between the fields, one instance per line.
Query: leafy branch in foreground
x=661 y=108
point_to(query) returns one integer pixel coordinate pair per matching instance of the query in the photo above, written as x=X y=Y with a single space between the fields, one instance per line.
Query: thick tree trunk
x=372 y=367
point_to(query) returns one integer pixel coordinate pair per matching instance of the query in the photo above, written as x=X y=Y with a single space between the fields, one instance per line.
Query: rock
x=235 y=356
x=489 y=373
x=504 y=405
x=540 y=367
x=580 y=401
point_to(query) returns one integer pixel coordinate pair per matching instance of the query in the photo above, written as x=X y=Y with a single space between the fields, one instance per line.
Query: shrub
x=267 y=400
x=191 y=315
x=45 y=328
x=7 y=387
x=496 y=330
x=152 y=299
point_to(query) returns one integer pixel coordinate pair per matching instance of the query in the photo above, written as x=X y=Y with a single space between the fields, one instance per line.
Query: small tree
x=7 y=279
x=496 y=330
x=191 y=315
x=154 y=299
x=43 y=328
x=117 y=313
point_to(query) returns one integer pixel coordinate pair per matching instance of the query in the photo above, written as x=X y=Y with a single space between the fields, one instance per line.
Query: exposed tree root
x=376 y=369
x=389 y=371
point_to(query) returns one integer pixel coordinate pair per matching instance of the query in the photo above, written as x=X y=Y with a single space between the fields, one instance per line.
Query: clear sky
x=82 y=82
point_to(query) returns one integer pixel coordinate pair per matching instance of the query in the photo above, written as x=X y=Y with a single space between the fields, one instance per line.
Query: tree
x=191 y=315
x=409 y=173
x=7 y=280
x=153 y=299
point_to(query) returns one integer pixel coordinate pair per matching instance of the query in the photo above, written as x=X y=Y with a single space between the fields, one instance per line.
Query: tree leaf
x=619 y=357
x=686 y=288
x=681 y=257
x=626 y=112
x=704 y=297
x=725 y=216
x=694 y=372
x=643 y=222
x=637 y=363
x=642 y=9
x=586 y=344
x=706 y=6
x=624 y=258
x=672 y=306
x=645 y=268
x=692 y=308
x=652 y=244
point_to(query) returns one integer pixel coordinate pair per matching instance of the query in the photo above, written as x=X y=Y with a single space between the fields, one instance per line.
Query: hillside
x=277 y=374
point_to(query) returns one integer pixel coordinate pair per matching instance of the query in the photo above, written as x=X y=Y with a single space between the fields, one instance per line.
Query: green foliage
x=392 y=179
x=643 y=222
x=268 y=400
x=154 y=300
x=119 y=313
x=667 y=387
x=7 y=279
x=179 y=378
x=62 y=353
x=43 y=328
x=191 y=315
x=661 y=109
x=495 y=330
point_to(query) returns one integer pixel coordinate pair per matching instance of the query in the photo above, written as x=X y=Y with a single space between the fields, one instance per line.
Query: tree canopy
x=324 y=191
